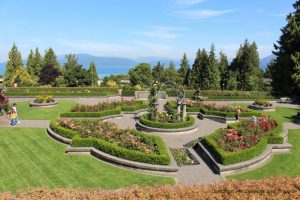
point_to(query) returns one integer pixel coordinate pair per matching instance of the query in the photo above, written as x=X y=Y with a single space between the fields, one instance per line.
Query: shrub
x=243 y=141
x=44 y=99
x=128 y=93
x=92 y=114
x=269 y=188
x=107 y=138
x=228 y=114
x=262 y=102
x=190 y=121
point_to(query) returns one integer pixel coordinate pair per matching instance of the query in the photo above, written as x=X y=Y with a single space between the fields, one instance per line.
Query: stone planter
x=43 y=105
x=263 y=108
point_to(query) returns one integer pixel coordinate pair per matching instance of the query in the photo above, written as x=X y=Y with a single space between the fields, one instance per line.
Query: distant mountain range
x=119 y=65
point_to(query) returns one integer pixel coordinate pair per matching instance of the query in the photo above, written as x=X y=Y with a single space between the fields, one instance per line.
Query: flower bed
x=43 y=101
x=183 y=157
x=244 y=140
x=124 y=105
x=262 y=104
x=104 y=113
x=166 y=124
x=105 y=136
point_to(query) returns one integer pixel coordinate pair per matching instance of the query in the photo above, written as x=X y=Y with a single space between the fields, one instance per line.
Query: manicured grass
x=281 y=164
x=28 y=113
x=30 y=158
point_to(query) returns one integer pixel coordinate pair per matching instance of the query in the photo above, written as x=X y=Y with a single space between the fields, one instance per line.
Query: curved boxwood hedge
x=226 y=157
x=128 y=93
x=92 y=114
x=145 y=121
x=227 y=114
x=162 y=158
x=138 y=106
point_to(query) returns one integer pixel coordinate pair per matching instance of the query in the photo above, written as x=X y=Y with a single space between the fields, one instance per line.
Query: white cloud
x=202 y=13
x=159 y=32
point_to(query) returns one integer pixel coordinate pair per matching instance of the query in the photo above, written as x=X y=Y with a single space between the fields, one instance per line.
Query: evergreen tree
x=204 y=71
x=14 y=62
x=212 y=68
x=246 y=67
x=158 y=73
x=195 y=76
x=34 y=63
x=171 y=74
x=38 y=63
x=71 y=61
x=93 y=73
x=77 y=76
x=30 y=63
x=187 y=78
x=285 y=70
x=23 y=78
x=224 y=70
x=183 y=70
x=50 y=59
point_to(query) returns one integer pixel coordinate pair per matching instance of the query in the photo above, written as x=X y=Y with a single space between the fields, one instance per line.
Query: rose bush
x=246 y=135
x=109 y=132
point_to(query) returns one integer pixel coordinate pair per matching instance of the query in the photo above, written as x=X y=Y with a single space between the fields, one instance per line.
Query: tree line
x=207 y=72
x=46 y=70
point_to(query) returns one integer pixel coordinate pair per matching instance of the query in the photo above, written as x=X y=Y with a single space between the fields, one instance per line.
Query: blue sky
x=140 y=28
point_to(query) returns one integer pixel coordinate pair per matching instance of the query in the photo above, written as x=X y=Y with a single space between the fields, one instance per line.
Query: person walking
x=14 y=109
x=237 y=114
x=13 y=118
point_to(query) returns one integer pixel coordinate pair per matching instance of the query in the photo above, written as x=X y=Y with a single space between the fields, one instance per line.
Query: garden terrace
x=243 y=141
x=105 y=136
x=62 y=91
x=103 y=109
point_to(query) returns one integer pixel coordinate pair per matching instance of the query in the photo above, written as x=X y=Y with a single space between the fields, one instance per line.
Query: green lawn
x=280 y=165
x=27 y=112
x=30 y=158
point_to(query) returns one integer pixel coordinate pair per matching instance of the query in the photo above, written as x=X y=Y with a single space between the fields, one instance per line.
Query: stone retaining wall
x=43 y=105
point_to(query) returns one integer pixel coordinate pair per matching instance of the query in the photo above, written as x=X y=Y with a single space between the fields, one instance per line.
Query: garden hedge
x=128 y=93
x=145 y=121
x=161 y=159
x=226 y=157
x=228 y=114
x=221 y=94
x=138 y=106
x=62 y=91
x=92 y=114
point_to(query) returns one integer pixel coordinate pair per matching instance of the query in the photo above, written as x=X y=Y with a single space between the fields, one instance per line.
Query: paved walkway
x=26 y=123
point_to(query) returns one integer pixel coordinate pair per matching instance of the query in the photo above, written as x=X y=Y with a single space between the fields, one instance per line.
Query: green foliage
x=22 y=77
x=228 y=114
x=93 y=73
x=111 y=84
x=170 y=74
x=183 y=71
x=262 y=102
x=51 y=59
x=181 y=156
x=49 y=75
x=128 y=93
x=34 y=63
x=246 y=66
x=158 y=73
x=44 y=99
x=138 y=105
x=162 y=158
x=144 y=119
x=141 y=75
x=14 y=62
x=227 y=158
x=285 y=69
x=91 y=114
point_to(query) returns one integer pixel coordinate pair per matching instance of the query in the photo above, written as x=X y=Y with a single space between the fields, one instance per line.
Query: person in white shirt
x=14 y=108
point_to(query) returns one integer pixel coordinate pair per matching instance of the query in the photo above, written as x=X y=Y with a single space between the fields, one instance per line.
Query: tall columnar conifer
x=285 y=70
x=93 y=73
x=14 y=62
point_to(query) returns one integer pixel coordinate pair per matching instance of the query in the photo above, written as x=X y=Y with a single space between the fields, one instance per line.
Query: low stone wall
x=112 y=159
x=43 y=105
x=251 y=164
x=175 y=131
x=218 y=118
x=257 y=107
